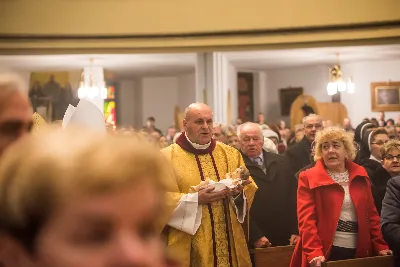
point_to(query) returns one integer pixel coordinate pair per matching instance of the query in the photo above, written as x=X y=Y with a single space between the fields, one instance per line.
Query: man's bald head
x=198 y=123
x=195 y=108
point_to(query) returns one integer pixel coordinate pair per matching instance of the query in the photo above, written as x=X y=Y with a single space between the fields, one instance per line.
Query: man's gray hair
x=311 y=116
x=224 y=128
x=11 y=83
x=217 y=124
x=240 y=127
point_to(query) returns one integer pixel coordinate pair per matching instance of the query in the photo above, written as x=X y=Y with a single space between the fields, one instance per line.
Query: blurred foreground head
x=15 y=110
x=75 y=198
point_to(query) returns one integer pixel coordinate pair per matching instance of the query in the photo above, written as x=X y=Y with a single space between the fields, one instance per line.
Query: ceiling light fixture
x=91 y=88
x=336 y=82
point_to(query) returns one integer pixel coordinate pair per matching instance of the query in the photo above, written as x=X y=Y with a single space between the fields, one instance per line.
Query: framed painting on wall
x=385 y=96
x=245 y=96
x=286 y=98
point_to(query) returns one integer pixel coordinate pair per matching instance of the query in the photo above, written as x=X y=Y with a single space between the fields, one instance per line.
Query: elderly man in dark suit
x=298 y=156
x=273 y=213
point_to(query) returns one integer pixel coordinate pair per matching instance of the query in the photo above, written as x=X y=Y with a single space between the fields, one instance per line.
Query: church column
x=212 y=75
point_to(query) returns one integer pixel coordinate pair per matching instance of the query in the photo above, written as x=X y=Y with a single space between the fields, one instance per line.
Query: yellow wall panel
x=126 y=17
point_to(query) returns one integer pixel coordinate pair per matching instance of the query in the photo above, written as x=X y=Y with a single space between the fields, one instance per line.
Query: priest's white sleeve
x=187 y=215
x=240 y=211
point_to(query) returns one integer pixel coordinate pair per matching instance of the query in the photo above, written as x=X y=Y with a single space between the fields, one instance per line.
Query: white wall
x=186 y=90
x=314 y=79
x=364 y=73
x=142 y=97
x=160 y=95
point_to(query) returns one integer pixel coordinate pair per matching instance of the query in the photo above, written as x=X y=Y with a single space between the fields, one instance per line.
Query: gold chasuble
x=219 y=240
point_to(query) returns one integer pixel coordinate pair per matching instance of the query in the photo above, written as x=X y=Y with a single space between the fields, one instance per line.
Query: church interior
x=280 y=123
x=171 y=81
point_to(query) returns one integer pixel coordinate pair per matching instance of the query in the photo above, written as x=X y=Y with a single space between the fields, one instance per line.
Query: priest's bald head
x=15 y=110
x=198 y=123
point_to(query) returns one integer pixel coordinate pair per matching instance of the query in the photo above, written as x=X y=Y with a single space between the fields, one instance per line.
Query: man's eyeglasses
x=391 y=157
x=310 y=126
x=380 y=143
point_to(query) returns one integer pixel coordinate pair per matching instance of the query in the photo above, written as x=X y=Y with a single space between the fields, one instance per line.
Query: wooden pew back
x=385 y=261
x=273 y=256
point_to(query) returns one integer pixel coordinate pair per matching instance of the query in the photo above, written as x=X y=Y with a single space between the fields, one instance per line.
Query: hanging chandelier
x=91 y=89
x=336 y=82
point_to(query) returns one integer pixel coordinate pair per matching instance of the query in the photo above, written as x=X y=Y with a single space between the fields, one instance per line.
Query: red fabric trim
x=184 y=144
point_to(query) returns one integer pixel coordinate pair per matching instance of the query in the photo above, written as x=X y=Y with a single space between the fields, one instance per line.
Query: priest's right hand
x=263 y=242
x=206 y=195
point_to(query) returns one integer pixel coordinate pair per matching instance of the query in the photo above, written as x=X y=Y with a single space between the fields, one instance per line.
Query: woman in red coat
x=336 y=212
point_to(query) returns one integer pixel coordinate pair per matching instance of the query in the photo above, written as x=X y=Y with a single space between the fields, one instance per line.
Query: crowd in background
x=277 y=136
x=77 y=198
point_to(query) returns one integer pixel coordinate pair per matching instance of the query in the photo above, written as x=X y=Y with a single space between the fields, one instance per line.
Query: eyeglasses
x=310 y=126
x=391 y=157
x=380 y=143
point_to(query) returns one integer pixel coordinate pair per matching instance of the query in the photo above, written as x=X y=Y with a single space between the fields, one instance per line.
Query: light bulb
x=331 y=88
x=341 y=86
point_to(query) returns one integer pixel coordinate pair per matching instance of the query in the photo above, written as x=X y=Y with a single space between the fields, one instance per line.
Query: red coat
x=319 y=202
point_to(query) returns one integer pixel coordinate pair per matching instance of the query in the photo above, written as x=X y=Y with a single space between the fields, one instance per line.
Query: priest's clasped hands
x=206 y=194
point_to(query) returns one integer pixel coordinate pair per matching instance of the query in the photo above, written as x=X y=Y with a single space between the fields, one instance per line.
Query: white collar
x=373 y=158
x=197 y=146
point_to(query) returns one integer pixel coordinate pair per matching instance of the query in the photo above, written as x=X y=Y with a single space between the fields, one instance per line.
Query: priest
x=205 y=227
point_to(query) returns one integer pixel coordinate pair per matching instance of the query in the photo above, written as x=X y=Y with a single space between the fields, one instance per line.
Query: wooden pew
x=273 y=256
x=382 y=261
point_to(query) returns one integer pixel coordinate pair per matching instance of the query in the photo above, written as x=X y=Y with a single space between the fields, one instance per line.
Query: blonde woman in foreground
x=76 y=199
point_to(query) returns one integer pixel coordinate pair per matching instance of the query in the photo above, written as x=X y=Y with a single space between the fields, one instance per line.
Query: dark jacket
x=371 y=166
x=390 y=217
x=378 y=186
x=273 y=212
x=298 y=155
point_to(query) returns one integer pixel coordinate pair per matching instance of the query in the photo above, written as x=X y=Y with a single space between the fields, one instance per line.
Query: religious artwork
x=245 y=96
x=385 y=96
x=110 y=106
x=50 y=94
x=286 y=98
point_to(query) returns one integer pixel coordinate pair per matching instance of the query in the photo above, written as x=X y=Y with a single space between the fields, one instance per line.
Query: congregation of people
x=200 y=196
